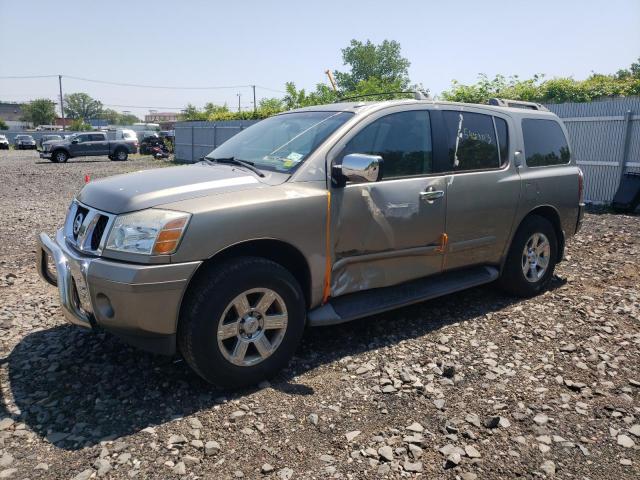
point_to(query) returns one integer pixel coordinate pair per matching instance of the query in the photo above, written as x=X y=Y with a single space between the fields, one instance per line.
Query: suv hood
x=151 y=188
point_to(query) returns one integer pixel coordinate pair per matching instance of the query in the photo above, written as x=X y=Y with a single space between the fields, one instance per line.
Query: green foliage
x=369 y=61
x=556 y=90
x=77 y=125
x=80 y=106
x=3 y=125
x=295 y=98
x=41 y=111
x=117 y=118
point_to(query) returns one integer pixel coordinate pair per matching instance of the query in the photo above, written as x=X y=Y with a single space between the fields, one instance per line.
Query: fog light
x=103 y=306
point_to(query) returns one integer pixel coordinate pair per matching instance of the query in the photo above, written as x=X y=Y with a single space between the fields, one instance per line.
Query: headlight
x=152 y=231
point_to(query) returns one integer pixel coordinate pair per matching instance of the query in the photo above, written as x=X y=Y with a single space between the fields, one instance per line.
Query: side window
x=503 y=140
x=82 y=138
x=97 y=137
x=471 y=141
x=544 y=143
x=402 y=139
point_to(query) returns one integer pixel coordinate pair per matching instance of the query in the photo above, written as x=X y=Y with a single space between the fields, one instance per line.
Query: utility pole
x=255 y=107
x=332 y=80
x=238 y=102
x=61 y=101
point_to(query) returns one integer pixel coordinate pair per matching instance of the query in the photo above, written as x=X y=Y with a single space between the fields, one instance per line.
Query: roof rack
x=418 y=95
x=505 y=102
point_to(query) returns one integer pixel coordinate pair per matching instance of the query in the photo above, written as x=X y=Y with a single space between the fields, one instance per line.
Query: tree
x=80 y=106
x=300 y=98
x=367 y=60
x=41 y=111
x=3 y=125
x=625 y=82
x=77 y=125
x=117 y=118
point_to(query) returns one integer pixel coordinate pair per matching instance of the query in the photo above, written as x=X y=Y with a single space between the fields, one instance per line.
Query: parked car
x=23 y=142
x=317 y=216
x=4 y=143
x=48 y=138
x=150 y=140
x=88 y=144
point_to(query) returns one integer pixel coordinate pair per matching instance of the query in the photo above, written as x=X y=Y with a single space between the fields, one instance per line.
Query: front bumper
x=45 y=154
x=139 y=303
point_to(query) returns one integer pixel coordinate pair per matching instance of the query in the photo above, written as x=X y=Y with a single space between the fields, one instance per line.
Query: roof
x=362 y=107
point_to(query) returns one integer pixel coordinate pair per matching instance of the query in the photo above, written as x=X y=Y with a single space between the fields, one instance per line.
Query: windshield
x=283 y=142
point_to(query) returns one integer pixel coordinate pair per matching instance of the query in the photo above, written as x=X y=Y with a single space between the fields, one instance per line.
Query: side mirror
x=359 y=168
x=74 y=141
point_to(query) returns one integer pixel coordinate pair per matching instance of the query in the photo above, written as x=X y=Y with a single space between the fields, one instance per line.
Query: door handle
x=430 y=194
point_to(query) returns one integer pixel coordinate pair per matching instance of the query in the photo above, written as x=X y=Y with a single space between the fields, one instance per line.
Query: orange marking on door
x=326 y=291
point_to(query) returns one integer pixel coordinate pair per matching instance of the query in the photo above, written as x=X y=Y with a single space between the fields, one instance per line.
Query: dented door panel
x=386 y=233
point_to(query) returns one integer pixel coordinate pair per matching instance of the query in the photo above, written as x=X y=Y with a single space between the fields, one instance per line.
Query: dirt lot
x=473 y=385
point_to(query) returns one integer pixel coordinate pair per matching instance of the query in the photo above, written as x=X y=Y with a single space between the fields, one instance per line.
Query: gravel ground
x=473 y=385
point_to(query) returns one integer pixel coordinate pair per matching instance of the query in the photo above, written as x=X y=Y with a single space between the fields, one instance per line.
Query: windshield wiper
x=235 y=161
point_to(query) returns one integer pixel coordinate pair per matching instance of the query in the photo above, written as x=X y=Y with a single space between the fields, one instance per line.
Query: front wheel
x=59 y=156
x=242 y=322
x=531 y=259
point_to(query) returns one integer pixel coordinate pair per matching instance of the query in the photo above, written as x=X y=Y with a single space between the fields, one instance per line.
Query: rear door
x=388 y=232
x=483 y=185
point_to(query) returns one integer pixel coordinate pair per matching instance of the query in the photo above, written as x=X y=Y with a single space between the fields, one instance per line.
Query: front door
x=389 y=231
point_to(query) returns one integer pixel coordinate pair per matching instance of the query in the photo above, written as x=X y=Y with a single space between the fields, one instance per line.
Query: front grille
x=86 y=228
x=98 y=232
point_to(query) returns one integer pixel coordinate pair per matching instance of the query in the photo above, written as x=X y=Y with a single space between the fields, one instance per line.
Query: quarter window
x=503 y=139
x=402 y=139
x=471 y=141
x=97 y=137
x=544 y=143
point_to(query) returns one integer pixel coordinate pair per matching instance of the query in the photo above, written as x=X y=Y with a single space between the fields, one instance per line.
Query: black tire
x=120 y=155
x=59 y=156
x=208 y=298
x=513 y=279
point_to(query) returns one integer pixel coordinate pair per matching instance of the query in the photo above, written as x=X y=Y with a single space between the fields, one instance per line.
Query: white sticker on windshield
x=294 y=156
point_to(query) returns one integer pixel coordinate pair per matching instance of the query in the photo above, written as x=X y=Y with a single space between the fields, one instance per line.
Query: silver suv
x=315 y=217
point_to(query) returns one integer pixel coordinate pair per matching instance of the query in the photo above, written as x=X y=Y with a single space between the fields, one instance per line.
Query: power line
x=138 y=85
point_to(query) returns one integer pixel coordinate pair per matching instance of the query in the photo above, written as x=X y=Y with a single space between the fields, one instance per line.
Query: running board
x=370 y=302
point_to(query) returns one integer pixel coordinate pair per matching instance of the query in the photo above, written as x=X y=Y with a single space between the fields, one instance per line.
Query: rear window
x=544 y=143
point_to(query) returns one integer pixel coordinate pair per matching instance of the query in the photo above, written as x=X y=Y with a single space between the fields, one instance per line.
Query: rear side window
x=472 y=143
x=97 y=137
x=503 y=139
x=402 y=139
x=544 y=143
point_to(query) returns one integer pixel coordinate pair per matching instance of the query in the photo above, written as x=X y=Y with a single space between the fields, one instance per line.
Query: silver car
x=315 y=217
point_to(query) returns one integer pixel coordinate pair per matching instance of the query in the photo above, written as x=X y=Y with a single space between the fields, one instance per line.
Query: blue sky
x=205 y=43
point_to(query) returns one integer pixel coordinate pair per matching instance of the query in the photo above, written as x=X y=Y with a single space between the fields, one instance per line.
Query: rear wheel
x=59 y=156
x=242 y=322
x=531 y=259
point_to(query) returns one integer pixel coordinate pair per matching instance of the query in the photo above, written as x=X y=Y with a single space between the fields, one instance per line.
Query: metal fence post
x=626 y=138
x=215 y=136
x=192 y=145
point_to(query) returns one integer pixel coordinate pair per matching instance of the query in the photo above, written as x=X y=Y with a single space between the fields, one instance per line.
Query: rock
x=416 y=452
x=384 y=469
x=123 y=458
x=285 y=473
x=177 y=440
x=389 y=389
x=190 y=460
x=327 y=458
x=194 y=423
x=103 y=466
x=180 y=469
x=625 y=441
x=452 y=460
x=549 y=468
x=267 y=468
x=10 y=472
x=6 y=423
x=541 y=419
x=352 y=435
x=626 y=462
x=238 y=414
x=386 y=453
x=412 y=466
x=313 y=418
x=569 y=347
x=471 y=451
x=42 y=466
x=468 y=476
x=473 y=419
x=635 y=430
x=6 y=460
x=83 y=475
x=211 y=447
x=492 y=422
x=415 y=427
x=439 y=403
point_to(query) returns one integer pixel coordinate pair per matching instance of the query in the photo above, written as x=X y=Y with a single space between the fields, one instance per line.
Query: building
x=11 y=113
x=167 y=120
